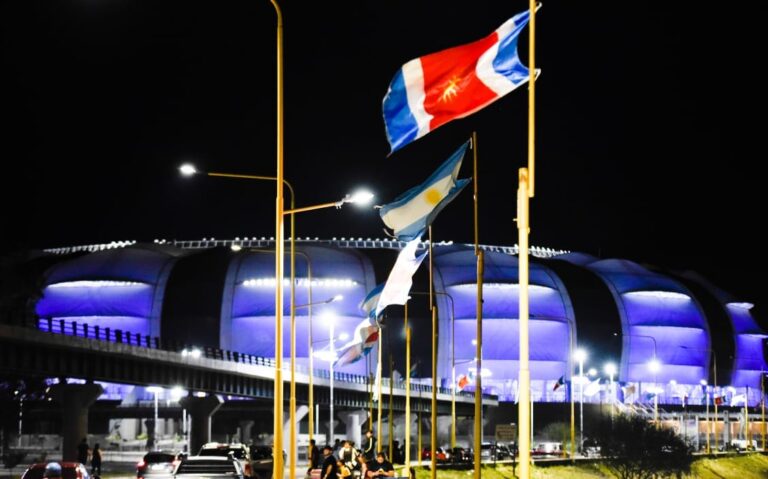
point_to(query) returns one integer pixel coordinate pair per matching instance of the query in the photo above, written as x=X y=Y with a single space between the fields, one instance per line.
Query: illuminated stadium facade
x=221 y=294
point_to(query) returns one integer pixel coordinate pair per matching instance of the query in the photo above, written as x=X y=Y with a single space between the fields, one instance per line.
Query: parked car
x=238 y=451
x=209 y=467
x=547 y=449
x=157 y=464
x=460 y=455
x=440 y=454
x=63 y=470
x=490 y=452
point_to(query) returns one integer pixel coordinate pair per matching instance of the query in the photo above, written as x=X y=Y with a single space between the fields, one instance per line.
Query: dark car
x=262 y=462
x=157 y=464
x=209 y=467
x=460 y=455
x=56 y=470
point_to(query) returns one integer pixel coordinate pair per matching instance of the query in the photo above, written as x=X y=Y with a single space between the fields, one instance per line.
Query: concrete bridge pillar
x=354 y=421
x=246 y=426
x=75 y=399
x=201 y=409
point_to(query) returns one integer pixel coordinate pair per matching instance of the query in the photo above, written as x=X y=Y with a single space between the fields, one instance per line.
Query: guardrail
x=95 y=332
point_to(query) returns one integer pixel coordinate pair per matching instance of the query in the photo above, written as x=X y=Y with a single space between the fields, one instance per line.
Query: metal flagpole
x=433 y=428
x=277 y=467
x=523 y=409
x=526 y=191
x=479 y=254
x=391 y=405
x=407 y=393
x=762 y=405
x=747 y=432
x=378 y=391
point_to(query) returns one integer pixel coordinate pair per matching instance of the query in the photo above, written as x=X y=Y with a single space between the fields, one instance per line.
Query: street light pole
x=332 y=360
x=581 y=403
x=155 y=390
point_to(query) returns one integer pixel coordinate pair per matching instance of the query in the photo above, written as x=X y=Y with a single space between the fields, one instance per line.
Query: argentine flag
x=410 y=214
x=368 y=305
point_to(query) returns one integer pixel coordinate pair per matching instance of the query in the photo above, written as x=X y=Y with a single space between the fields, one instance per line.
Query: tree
x=636 y=449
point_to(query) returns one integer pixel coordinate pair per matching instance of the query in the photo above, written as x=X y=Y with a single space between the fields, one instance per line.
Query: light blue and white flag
x=410 y=214
x=368 y=305
x=738 y=399
x=400 y=279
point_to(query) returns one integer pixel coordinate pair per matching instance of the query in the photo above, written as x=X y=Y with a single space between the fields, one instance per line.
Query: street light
x=453 y=361
x=176 y=394
x=155 y=390
x=654 y=366
x=580 y=355
x=360 y=197
x=610 y=370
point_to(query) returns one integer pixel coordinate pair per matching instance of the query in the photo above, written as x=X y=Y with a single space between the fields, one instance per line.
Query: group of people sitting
x=351 y=463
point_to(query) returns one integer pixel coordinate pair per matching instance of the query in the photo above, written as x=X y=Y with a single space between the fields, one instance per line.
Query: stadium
x=673 y=336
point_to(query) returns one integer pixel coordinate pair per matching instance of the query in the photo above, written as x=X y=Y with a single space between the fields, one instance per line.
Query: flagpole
x=523 y=405
x=709 y=425
x=378 y=387
x=762 y=405
x=407 y=393
x=370 y=396
x=747 y=432
x=478 y=426
x=433 y=309
x=391 y=413
x=433 y=429
x=277 y=467
x=714 y=377
x=573 y=421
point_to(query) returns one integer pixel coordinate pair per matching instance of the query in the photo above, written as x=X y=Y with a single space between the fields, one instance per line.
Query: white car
x=239 y=452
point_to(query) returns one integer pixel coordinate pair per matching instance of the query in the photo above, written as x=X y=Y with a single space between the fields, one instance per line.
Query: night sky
x=646 y=149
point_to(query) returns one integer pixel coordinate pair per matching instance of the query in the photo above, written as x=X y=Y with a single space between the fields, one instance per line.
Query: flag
x=368 y=305
x=432 y=90
x=400 y=279
x=411 y=212
x=628 y=390
x=738 y=399
x=719 y=400
x=412 y=371
x=462 y=382
x=559 y=383
x=365 y=337
x=592 y=388
x=650 y=396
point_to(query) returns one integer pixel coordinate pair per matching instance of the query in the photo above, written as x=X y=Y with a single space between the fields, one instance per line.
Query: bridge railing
x=96 y=332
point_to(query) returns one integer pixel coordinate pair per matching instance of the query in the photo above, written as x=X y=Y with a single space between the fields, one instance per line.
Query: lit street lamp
x=155 y=390
x=176 y=394
x=654 y=365
x=610 y=370
x=360 y=197
x=580 y=355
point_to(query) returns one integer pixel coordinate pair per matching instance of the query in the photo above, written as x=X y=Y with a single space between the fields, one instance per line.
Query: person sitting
x=361 y=469
x=380 y=467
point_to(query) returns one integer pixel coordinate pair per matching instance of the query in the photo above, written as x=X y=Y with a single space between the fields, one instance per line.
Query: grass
x=751 y=466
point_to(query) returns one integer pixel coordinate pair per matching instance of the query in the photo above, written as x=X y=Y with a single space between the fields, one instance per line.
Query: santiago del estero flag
x=432 y=90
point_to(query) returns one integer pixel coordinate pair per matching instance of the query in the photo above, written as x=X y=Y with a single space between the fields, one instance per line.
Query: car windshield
x=223 y=452
x=156 y=457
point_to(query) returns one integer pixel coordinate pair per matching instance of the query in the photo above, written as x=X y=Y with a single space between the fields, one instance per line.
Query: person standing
x=369 y=446
x=330 y=468
x=82 y=452
x=314 y=457
x=96 y=460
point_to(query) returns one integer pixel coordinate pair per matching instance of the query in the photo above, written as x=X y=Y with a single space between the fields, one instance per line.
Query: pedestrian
x=330 y=468
x=380 y=467
x=369 y=446
x=82 y=452
x=314 y=457
x=96 y=460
